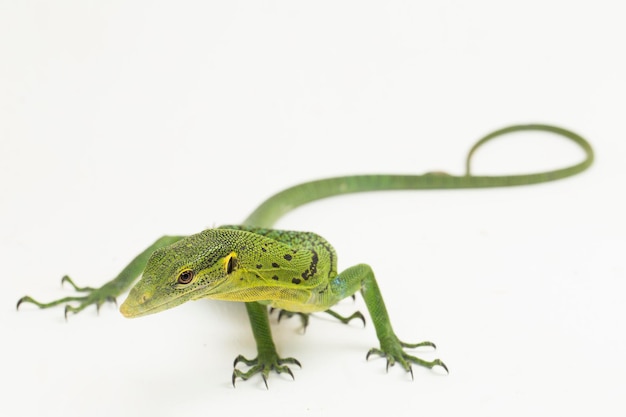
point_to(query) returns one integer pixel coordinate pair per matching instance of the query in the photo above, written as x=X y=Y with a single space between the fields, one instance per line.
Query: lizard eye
x=185 y=277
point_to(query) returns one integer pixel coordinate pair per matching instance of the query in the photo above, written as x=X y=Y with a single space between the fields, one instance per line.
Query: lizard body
x=293 y=271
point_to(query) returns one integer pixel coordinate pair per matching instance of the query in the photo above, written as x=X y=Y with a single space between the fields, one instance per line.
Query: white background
x=122 y=121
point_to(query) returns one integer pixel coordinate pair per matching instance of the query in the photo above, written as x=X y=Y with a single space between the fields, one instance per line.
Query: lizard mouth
x=141 y=303
x=137 y=305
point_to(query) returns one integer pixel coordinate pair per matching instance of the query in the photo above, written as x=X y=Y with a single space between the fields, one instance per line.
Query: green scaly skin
x=292 y=271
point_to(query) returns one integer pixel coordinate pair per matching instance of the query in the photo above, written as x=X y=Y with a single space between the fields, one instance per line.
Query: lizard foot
x=97 y=296
x=263 y=365
x=305 y=317
x=346 y=320
x=393 y=350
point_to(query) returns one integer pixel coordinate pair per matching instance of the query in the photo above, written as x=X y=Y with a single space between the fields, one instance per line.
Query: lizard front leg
x=110 y=290
x=361 y=277
x=267 y=358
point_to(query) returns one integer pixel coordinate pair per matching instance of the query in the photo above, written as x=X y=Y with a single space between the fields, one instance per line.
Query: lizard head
x=197 y=266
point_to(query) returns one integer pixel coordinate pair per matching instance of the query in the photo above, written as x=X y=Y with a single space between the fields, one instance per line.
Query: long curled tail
x=266 y=214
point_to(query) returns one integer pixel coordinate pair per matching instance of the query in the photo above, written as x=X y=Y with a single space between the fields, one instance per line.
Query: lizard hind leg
x=304 y=317
x=346 y=319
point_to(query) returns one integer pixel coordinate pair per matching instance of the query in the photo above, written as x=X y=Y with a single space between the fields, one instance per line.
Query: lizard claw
x=304 y=317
